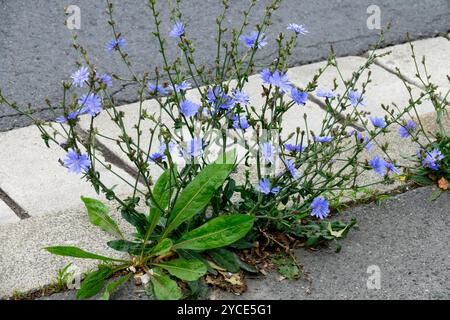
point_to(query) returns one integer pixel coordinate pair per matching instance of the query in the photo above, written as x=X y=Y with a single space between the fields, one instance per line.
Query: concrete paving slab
x=436 y=51
x=25 y=265
x=6 y=214
x=384 y=89
x=31 y=175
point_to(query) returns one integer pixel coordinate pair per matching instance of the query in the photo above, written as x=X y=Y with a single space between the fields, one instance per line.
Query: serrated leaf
x=98 y=216
x=68 y=251
x=126 y=246
x=165 y=288
x=216 y=233
x=197 y=194
x=113 y=286
x=188 y=270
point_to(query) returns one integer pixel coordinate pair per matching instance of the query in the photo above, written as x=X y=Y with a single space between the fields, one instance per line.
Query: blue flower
x=356 y=98
x=74 y=114
x=297 y=28
x=362 y=139
x=80 y=77
x=219 y=100
x=241 y=97
x=61 y=119
x=163 y=147
x=294 y=147
x=157 y=157
x=177 y=30
x=194 y=148
x=431 y=160
x=268 y=152
x=381 y=166
x=407 y=130
x=378 y=122
x=378 y=165
x=324 y=139
x=290 y=166
x=184 y=86
x=189 y=108
x=240 y=122
x=326 y=94
x=106 y=79
x=281 y=81
x=115 y=44
x=77 y=163
x=157 y=89
x=266 y=75
x=250 y=40
x=265 y=187
x=298 y=96
x=320 y=208
x=90 y=104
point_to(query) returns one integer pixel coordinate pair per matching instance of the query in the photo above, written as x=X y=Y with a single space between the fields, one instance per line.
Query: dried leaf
x=443 y=184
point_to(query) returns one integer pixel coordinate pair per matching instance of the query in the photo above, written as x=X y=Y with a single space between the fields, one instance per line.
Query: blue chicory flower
x=219 y=100
x=356 y=98
x=80 y=76
x=406 y=130
x=431 y=159
x=250 y=40
x=157 y=89
x=268 y=152
x=241 y=97
x=184 y=86
x=157 y=157
x=189 y=108
x=294 y=147
x=266 y=75
x=290 y=166
x=90 y=104
x=324 y=139
x=76 y=163
x=194 y=148
x=265 y=187
x=115 y=44
x=177 y=30
x=329 y=94
x=106 y=79
x=320 y=208
x=297 y=28
x=298 y=96
x=240 y=122
x=378 y=122
x=381 y=166
x=281 y=81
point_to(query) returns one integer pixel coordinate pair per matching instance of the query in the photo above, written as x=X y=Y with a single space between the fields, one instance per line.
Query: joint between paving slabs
x=13 y=205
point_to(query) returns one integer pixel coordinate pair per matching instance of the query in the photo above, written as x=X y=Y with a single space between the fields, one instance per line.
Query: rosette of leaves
x=167 y=245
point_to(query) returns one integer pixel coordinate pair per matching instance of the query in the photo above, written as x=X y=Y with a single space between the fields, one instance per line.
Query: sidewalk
x=33 y=184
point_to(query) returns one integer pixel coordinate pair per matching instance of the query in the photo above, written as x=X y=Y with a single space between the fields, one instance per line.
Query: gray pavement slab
x=6 y=214
x=36 y=52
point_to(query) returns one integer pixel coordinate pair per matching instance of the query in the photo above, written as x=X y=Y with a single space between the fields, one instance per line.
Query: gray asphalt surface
x=36 y=53
x=412 y=257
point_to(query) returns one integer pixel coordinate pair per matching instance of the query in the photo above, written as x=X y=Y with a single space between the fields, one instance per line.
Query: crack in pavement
x=13 y=205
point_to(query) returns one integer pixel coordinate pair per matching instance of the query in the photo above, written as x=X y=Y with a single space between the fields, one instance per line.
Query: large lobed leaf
x=98 y=216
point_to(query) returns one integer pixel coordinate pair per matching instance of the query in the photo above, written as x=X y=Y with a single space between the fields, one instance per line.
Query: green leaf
x=162 y=192
x=197 y=194
x=421 y=180
x=435 y=195
x=114 y=285
x=188 y=270
x=162 y=248
x=98 y=216
x=287 y=267
x=94 y=282
x=126 y=246
x=225 y=259
x=136 y=219
x=75 y=252
x=216 y=233
x=165 y=288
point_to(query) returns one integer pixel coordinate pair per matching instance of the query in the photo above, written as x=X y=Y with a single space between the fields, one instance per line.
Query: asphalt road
x=36 y=53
